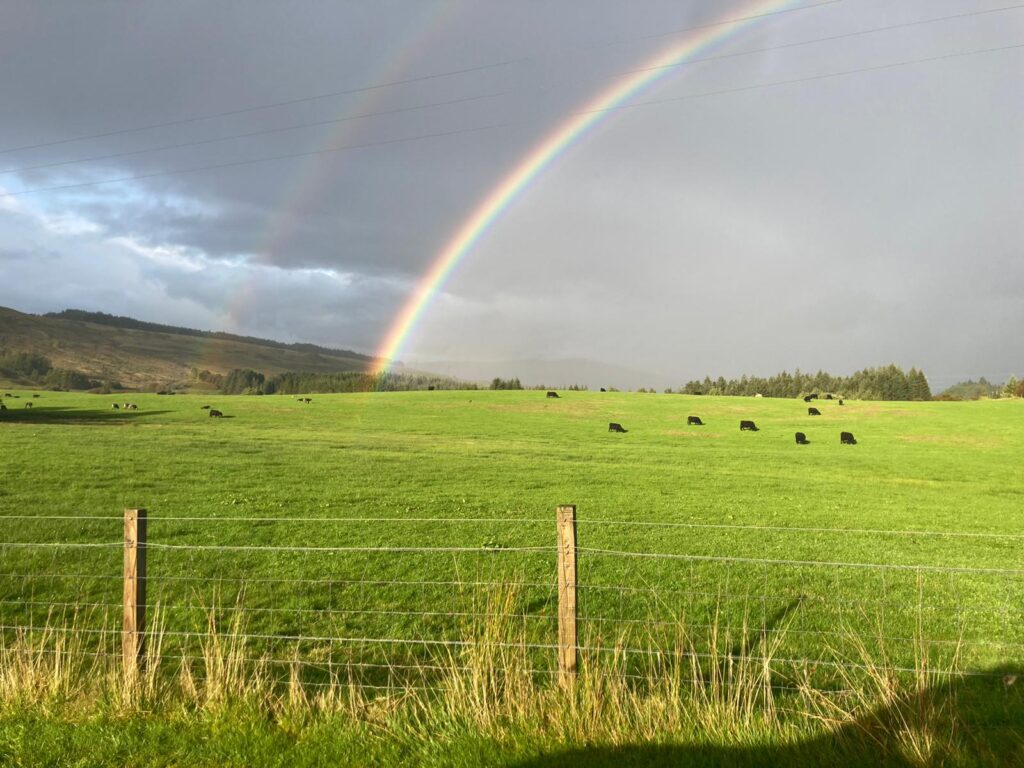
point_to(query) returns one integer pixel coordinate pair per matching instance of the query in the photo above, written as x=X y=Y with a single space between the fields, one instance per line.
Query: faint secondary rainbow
x=310 y=180
x=487 y=211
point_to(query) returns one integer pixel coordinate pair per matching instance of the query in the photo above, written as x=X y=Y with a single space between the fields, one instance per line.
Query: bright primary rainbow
x=545 y=152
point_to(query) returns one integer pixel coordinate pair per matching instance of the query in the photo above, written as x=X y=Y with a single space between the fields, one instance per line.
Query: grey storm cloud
x=832 y=222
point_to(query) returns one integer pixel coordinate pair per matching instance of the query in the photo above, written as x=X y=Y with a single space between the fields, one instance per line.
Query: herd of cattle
x=746 y=425
x=3 y=407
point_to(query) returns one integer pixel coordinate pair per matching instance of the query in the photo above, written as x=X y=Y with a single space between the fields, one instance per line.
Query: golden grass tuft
x=723 y=684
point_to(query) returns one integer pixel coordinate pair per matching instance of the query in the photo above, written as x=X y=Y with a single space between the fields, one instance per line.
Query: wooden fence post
x=567 y=637
x=134 y=628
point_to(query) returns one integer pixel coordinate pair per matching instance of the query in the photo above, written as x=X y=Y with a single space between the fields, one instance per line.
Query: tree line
x=885 y=383
x=243 y=381
x=974 y=390
x=39 y=371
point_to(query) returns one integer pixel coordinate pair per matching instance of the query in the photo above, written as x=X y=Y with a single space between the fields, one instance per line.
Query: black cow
x=695 y=420
x=3 y=407
x=28 y=405
x=215 y=413
x=801 y=439
x=748 y=426
x=846 y=438
x=614 y=426
x=34 y=396
x=808 y=398
x=828 y=397
x=204 y=408
x=603 y=389
x=813 y=412
x=840 y=401
x=552 y=394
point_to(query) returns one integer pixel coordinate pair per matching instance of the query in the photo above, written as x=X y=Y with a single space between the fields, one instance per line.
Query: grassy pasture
x=362 y=470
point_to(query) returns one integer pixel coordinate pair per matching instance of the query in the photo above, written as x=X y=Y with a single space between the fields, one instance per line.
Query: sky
x=716 y=224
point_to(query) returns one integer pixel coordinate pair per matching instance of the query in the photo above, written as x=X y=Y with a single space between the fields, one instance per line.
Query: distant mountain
x=551 y=373
x=138 y=353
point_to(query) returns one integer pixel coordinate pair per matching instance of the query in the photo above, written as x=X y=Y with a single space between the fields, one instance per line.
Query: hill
x=138 y=354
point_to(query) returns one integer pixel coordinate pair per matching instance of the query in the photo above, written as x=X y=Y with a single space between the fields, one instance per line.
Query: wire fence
x=386 y=602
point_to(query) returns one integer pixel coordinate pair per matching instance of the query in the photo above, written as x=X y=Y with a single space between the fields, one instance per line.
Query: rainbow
x=544 y=153
x=311 y=179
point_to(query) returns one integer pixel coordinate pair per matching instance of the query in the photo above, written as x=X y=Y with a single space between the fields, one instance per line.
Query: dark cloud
x=831 y=223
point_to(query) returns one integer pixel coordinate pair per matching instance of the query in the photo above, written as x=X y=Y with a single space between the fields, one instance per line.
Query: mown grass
x=349 y=461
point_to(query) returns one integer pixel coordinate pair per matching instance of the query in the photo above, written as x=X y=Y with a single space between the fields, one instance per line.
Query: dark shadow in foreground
x=975 y=720
x=66 y=415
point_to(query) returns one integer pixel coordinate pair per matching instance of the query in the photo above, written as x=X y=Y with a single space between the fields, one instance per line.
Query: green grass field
x=757 y=527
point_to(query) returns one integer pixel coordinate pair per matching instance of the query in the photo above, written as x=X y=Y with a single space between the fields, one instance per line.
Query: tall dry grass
x=719 y=684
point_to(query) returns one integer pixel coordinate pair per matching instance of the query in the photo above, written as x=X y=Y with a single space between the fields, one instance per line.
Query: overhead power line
x=376 y=86
x=250 y=134
x=482 y=97
x=492 y=126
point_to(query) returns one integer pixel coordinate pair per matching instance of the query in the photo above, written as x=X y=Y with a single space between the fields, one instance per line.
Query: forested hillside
x=104 y=348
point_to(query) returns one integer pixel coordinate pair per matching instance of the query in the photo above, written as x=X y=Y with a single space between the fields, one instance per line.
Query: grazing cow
x=553 y=394
x=840 y=401
x=133 y=407
x=603 y=389
x=204 y=408
x=614 y=426
x=215 y=413
x=846 y=438
x=813 y=412
x=828 y=397
x=801 y=439
x=808 y=398
x=758 y=395
x=695 y=420
x=34 y=396
x=115 y=406
x=8 y=394
x=28 y=405
x=3 y=407
x=430 y=388
x=748 y=426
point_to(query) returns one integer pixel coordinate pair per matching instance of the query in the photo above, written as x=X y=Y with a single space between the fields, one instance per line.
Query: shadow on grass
x=65 y=415
x=974 y=720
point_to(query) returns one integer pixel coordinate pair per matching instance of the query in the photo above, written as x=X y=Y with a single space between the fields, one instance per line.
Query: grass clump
x=710 y=699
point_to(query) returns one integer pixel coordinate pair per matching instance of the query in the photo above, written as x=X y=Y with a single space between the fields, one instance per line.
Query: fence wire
x=409 y=600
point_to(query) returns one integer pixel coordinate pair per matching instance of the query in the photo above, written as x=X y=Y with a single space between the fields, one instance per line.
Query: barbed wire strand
x=536 y=521
x=801 y=563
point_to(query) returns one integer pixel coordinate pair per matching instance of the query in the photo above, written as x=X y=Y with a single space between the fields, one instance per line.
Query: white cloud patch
x=185 y=259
